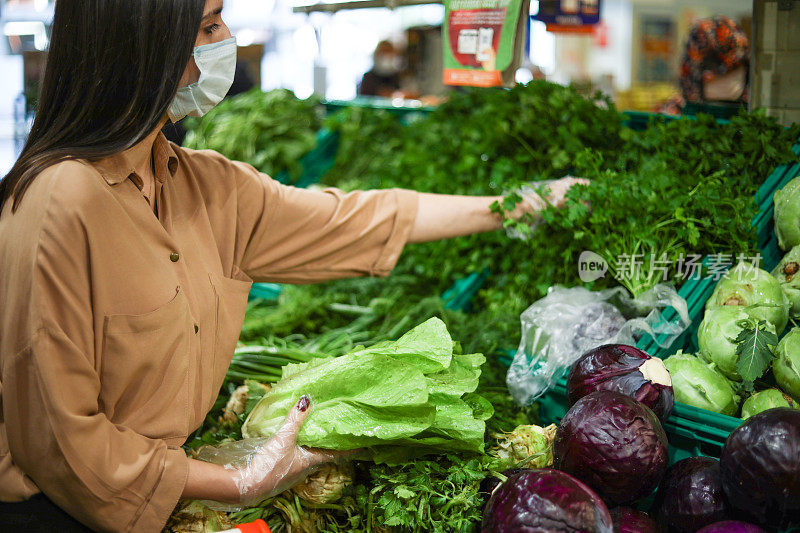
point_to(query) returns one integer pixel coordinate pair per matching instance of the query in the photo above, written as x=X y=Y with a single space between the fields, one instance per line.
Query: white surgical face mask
x=387 y=65
x=726 y=88
x=217 y=64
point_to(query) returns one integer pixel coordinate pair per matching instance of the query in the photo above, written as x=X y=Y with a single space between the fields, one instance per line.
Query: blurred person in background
x=715 y=66
x=384 y=77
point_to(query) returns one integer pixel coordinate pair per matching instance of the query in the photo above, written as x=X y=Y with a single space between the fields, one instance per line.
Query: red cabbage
x=625 y=369
x=545 y=501
x=628 y=520
x=614 y=444
x=731 y=526
x=690 y=496
x=760 y=468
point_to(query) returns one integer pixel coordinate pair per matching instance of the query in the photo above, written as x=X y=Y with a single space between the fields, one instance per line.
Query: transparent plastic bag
x=566 y=323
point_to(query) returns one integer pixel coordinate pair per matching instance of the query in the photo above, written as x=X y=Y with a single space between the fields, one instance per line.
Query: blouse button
x=174 y=256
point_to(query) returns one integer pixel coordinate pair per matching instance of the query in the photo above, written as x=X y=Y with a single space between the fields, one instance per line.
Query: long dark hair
x=112 y=71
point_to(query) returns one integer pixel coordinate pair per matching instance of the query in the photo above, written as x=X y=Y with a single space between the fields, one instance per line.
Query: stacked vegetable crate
x=693 y=431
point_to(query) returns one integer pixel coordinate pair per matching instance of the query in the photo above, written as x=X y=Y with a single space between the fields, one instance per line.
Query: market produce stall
x=660 y=189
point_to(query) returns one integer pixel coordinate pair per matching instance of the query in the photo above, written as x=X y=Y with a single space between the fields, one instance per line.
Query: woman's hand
x=280 y=463
x=556 y=196
x=441 y=216
x=276 y=465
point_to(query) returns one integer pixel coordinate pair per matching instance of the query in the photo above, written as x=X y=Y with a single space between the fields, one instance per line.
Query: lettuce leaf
x=404 y=398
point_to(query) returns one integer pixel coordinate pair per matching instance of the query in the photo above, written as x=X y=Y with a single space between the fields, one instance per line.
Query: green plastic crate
x=459 y=297
x=264 y=291
x=316 y=162
x=719 y=110
x=405 y=112
x=640 y=120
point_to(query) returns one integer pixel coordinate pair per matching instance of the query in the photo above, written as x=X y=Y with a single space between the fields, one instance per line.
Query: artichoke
x=532 y=444
x=326 y=485
x=701 y=385
x=237 y=404
x=787 y=214
x=788 y=275
x=716 y=338
x=746 y=285
x=766 y=399
x=194 y=517
x=786 y=367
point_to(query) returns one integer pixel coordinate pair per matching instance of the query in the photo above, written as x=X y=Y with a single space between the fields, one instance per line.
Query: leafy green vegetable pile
x=270 y=131
x=677 y=187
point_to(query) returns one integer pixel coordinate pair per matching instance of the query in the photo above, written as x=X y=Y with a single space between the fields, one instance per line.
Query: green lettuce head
x=788 y=275
x=766 y=399
x=787 y=214
x=748 y=286
x=717 y=334
x=699 y=384
x=787 y=365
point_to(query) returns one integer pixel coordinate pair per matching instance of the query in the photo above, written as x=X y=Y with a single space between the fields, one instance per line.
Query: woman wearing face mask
x=125 y=264
x=384 y=78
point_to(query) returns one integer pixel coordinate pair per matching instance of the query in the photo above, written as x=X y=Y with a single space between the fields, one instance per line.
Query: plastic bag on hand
x=265 y=467
x=567 y=323
x=534 y=192
x=528 y=191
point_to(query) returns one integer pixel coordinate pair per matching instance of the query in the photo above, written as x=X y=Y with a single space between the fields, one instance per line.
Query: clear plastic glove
x=533 y=202
x=556 y=192
x=266 y=467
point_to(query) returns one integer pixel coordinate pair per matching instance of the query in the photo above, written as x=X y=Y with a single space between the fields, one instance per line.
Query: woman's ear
x=191 y=74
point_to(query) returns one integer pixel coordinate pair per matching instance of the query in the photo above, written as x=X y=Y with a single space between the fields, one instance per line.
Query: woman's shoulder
x=62 y=190
x=72 y=177
x=212 y=170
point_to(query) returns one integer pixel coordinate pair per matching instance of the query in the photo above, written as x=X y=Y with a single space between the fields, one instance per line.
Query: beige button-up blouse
x=117 y=326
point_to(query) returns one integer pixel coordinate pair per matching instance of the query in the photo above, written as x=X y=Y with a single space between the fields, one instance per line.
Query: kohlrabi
x=787 y=214
x=787 y=366
x=788 y=274
x=716 y=337
x=697 y=383
x=748 y=286
x=766 y=399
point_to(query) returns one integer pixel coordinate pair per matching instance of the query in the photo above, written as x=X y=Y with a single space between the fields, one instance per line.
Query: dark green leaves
x=755 y=346
x=271 y=131
x=437 y=496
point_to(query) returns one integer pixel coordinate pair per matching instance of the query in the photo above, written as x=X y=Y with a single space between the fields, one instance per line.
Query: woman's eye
x=211 y=29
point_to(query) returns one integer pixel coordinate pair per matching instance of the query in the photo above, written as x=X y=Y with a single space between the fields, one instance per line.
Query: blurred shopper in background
x=714 y=68
x=384 y=78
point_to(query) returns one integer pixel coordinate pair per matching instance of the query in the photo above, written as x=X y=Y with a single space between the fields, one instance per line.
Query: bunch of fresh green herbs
x=270 y=130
